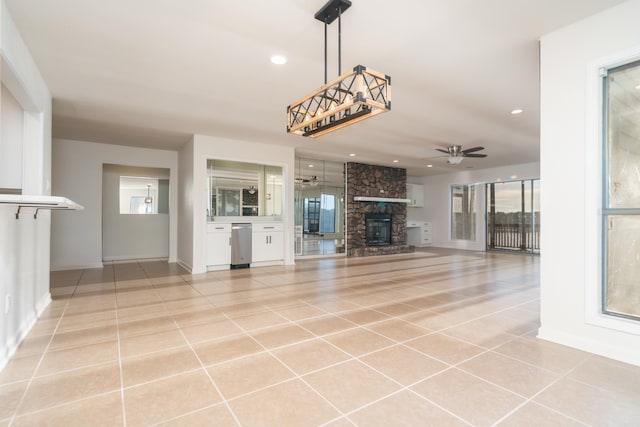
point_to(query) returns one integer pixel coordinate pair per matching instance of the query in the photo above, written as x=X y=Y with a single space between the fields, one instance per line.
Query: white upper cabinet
x=415 y=193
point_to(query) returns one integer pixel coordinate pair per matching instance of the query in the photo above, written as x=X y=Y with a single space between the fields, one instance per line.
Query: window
x=143 y=196
x=621 y=192
x=312 y=215
x=320 y=214
x=328 y=213
x=463 y=212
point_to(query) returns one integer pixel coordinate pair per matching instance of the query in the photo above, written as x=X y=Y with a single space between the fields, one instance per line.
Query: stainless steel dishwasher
x=240 y=245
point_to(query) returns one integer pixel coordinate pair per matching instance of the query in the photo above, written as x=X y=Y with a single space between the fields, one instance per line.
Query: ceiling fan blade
x=475 y=155
x=471 y=150
x=432 y=157
x=442 y=151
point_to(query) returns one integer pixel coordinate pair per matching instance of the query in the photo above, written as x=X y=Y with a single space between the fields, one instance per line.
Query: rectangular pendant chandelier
x=352 y=97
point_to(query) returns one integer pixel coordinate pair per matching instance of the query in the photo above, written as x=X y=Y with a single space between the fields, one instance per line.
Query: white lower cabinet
x=419 y=233
x=219 y=245
x=267 y=242
x=425 y=233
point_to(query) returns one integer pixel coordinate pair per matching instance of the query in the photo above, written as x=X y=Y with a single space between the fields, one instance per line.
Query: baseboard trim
x=14 y=342
x=184 y=265
x=75 y=267
x=42 y=304
x=132 y=260
x=620 y=353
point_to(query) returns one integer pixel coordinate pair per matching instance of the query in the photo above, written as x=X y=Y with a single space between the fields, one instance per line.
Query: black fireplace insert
x=378 y=229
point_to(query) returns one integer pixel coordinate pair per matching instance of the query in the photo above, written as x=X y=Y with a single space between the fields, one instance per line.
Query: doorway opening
x=135 y=213
x=513 y=216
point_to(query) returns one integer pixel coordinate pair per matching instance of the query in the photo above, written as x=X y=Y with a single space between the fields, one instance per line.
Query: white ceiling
x=152 y=72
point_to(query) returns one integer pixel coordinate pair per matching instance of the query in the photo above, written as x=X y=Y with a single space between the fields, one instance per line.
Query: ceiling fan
x=312 y=180
x=456 y=153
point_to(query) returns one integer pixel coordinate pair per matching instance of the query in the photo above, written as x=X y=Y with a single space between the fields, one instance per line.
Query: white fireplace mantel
x=380 y=199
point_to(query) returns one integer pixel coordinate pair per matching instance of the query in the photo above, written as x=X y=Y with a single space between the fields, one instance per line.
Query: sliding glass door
x=513 y=216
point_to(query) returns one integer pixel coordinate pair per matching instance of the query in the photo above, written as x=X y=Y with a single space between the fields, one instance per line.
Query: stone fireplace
x=379 y=182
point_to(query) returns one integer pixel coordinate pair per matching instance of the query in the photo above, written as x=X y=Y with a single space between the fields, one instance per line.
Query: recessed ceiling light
x=278 y=59
x=638 y=87
x=517 y=111
x=429 y=166
x=310 y=166
x=396 y=161
x=352 y=155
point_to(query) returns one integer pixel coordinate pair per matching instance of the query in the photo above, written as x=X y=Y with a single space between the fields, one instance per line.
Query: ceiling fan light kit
x=352 y=97
x=454 y=160
x=457 y=153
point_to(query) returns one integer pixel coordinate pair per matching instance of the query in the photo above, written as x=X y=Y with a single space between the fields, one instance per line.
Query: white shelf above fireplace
x=380 y=199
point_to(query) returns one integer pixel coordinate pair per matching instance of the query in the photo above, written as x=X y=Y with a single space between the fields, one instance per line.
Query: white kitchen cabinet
x=267 y=242
x=219 y=245
x=419 y=233
x=415 y=193
x=425 y=233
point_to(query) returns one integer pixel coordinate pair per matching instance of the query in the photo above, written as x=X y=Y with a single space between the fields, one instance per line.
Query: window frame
x=472 y=215
x=592 y=177
x=607 y=212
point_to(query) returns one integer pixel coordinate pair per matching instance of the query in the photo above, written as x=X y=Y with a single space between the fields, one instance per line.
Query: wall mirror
x=243 y=189
x=319 y=207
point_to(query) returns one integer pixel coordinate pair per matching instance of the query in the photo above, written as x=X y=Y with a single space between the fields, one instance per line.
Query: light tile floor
x=432 y=338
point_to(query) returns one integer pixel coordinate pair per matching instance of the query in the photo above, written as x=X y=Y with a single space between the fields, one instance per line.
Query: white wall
x=11 y=141
x=437 y=201
x=185 y=206
x=207 y=147
x=24 y=242
x=124 y=236
x=76 y=238
x=570 y=59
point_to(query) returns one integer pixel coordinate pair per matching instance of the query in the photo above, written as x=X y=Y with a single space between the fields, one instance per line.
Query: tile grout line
x=44 y=353
x=202 y=367
x=531 y=399
x=296 y=376
x=403 y=387
x=450 y=367
x=358 y=360
x=120 y=368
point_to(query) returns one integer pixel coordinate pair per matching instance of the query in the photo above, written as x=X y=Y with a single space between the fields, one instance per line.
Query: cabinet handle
x=268 y=228
x=229 y=241
x=266 y=239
